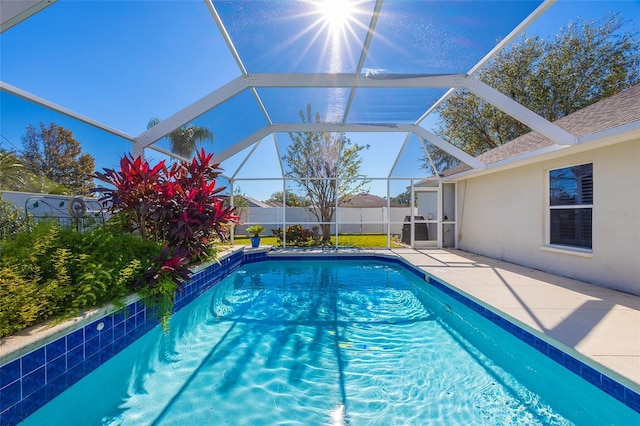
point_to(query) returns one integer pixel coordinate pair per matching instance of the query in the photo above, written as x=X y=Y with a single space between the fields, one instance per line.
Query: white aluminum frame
x=354 y=81
x=14 y=12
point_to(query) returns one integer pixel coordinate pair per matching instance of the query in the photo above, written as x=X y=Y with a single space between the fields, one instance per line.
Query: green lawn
x=345 y=240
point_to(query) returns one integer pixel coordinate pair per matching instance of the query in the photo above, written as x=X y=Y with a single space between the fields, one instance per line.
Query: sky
x=122 y=63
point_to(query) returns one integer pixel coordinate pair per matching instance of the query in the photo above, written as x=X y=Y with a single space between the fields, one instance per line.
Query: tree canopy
x=291 y=199
x=52 y=151
x=403 y=199
x=584 y=63
x=326 y=166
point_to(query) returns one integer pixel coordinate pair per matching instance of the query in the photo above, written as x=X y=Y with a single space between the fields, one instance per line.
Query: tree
x=53 y=152
x=184 y=140
x=291 y=199
x=240 y=204
x=14 y=176
x=403 y=199
x=326 y=166
x=584 y=63
x=12 y=171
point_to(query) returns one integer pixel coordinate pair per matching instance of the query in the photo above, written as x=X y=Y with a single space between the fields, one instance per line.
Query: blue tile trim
x=627 y=396
x=26 y=384
x=10 y=372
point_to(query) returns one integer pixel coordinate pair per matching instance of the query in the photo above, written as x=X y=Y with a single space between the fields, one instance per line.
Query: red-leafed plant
x=159 y=283
x=192 y=216
x=134 y=195
x=177 y=205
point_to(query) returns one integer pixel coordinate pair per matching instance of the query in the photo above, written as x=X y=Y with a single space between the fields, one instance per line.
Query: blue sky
x=124 y=62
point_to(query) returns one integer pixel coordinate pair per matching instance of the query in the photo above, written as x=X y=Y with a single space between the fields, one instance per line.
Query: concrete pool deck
x=600 y=324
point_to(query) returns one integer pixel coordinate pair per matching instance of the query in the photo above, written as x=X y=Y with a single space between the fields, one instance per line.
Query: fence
x=78 y=212
x=350 y=220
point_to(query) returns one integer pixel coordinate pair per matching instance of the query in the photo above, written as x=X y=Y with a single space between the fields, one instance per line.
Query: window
x=570 y=206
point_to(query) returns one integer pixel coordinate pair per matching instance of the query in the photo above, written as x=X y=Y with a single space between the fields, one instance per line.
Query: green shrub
x=11 y=221
x=156 y=300
x=55 y=273
x=21 y=302
x=296 y=236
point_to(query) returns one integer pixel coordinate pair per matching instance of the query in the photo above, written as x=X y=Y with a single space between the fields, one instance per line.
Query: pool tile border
x=29 y=382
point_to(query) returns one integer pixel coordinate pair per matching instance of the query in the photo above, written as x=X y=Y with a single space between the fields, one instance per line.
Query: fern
x=159 y=300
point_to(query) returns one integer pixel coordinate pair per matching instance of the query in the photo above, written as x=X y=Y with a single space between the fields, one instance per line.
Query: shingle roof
x=611 y=112
x=365 y=200
x=255 y=203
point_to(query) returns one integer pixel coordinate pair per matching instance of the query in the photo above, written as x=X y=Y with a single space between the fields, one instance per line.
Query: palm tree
x=15 y=176
x=185 y=139
x=12 y=171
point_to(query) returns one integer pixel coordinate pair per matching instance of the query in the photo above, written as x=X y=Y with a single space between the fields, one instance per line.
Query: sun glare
x=336 y=14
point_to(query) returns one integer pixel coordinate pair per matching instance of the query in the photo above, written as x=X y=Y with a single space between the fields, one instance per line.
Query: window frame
x=564 y=248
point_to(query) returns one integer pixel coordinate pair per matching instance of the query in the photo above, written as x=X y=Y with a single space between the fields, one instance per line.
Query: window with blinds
x=571 y=206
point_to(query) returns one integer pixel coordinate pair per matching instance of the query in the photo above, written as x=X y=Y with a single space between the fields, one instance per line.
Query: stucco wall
x=504 y=216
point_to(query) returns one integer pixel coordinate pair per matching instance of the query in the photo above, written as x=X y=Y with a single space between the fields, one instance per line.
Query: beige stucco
x=503 y=215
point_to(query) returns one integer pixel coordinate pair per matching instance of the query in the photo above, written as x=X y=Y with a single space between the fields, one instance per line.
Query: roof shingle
x=617 y=110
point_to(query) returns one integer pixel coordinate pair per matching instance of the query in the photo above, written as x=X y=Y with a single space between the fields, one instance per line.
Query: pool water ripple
x=309 y=343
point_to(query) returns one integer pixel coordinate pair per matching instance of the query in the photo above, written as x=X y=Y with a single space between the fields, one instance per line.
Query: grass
x=344 y=240
x=246 y=241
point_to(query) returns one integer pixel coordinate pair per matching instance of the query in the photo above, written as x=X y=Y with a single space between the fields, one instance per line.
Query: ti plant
x=177 y=205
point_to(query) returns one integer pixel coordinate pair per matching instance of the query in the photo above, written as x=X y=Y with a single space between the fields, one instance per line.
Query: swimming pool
x=326 y=342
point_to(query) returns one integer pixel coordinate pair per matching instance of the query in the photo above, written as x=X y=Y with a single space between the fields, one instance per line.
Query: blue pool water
x=330 y=343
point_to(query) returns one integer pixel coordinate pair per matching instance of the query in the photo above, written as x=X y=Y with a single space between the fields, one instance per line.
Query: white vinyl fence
x=59 y=207
x=351 y=220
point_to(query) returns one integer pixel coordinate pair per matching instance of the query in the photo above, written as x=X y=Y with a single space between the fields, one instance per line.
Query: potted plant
x=254 y=232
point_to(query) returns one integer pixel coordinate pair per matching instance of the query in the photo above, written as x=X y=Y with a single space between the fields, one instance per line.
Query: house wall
x=504 y=217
